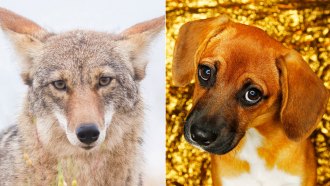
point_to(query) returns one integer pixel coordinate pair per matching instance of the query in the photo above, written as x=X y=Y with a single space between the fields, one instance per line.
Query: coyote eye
x=59 y=85
x=104 y=81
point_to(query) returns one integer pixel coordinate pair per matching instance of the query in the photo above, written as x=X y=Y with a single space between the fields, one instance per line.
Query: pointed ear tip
x=152 y=26
x=160 y=19
x=4 y=13
x=158 y=22
x=6 y=17
x=10 y=21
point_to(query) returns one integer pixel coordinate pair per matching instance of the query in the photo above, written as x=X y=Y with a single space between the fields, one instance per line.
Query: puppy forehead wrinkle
x=203 y=46
x=240 y=58
x=256 y=80
x=230 y=33
x=226 y=34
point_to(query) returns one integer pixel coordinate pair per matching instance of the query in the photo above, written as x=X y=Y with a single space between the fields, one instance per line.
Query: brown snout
x=212 y=132
x=85 y=115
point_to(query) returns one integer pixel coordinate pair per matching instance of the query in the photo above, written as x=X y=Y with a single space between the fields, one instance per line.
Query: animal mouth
x=216 y=139
x=88 y=147
x=224 y=147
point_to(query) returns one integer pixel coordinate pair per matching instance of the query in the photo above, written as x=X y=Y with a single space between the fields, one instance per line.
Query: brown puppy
x=255 y=103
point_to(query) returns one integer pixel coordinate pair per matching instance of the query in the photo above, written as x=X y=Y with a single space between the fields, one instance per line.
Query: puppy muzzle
x=211 y=133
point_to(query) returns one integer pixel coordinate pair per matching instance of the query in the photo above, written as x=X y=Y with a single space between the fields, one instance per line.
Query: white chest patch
x=259 y=174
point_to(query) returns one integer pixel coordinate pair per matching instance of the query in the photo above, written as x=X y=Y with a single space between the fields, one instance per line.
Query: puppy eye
x=252 y=96
x=204 y=72
x=104 y=81
x=59 y=85
x=206 y=75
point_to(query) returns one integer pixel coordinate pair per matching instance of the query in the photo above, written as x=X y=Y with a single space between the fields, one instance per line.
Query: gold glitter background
x=302 y=25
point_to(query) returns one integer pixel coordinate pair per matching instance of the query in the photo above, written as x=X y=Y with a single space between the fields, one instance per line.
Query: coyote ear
x=138 y=38
x=26 y=36
x=192 y=40
x=304 y=97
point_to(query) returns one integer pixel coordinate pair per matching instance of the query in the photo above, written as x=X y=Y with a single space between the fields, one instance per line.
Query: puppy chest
x=259 y=174
x=263 y=178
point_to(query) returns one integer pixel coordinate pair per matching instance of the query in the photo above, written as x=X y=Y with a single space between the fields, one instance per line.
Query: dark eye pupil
x=253 y=95
x=205 y=72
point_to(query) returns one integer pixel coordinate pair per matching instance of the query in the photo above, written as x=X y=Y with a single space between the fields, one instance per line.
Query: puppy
x=255 y=103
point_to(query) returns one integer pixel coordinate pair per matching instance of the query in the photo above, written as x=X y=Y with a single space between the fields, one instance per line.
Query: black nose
x=201 y=136
x=88 y=133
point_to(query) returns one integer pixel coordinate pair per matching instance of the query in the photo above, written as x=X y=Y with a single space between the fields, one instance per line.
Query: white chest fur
x=259 y=174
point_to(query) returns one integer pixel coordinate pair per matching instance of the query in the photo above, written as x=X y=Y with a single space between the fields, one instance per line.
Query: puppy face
x=238 y=84
x=235 y=85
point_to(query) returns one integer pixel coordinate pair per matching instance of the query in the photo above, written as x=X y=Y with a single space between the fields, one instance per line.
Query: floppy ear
x=138 y=37
x=26 y=35
x=304 y=97
x=192 y=40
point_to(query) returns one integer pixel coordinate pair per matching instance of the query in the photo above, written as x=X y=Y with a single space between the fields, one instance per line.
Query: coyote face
x=80 y=80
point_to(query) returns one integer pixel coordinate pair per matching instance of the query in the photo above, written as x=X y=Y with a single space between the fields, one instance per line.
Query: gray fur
x=38 y=150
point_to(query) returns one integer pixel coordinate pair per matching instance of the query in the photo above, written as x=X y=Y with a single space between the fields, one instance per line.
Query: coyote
x=82 y=118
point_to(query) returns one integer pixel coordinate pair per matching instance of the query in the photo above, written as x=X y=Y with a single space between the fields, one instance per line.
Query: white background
x=100 y=15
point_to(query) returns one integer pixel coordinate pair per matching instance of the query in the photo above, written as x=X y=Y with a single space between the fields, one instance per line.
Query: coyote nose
x=88 y=133
x=202 y=136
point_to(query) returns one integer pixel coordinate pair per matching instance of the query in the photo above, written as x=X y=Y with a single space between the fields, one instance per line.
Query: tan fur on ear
x=16 y=23
x=138 y=38
x=192 y=40
x=304 y=97
x=27 y=36
x=152 y=26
